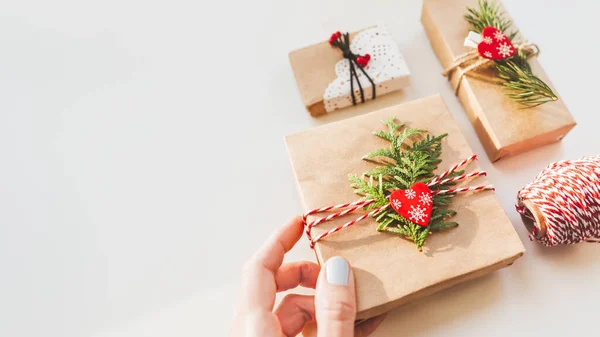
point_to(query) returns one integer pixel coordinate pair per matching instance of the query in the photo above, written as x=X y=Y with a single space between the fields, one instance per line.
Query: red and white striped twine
x=567 y=197
x=464 y=176
x=353 y=207
x=452 y=169
x=356 y=205
x=346 y=225
x=465 y=189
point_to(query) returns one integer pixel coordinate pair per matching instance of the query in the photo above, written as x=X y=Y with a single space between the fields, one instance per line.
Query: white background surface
x=142 y=162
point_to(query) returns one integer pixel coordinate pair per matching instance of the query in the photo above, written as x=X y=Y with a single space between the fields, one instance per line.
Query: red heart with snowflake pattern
x=495 y=45
x=414 y=204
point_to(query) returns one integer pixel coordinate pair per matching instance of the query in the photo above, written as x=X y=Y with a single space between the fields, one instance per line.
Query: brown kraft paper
x=389 y=270
x=503 y=126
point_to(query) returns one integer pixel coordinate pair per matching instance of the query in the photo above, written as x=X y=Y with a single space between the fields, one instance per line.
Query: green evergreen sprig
x=519 y=82
x=413 y=156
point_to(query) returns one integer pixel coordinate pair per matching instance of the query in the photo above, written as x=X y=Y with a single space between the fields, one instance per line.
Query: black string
x=343 y=43
x=353 y=73
x=370 y=80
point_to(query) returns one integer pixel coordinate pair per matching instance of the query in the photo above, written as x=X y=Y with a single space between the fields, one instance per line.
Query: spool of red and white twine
x=356 y=205
x=562 y=204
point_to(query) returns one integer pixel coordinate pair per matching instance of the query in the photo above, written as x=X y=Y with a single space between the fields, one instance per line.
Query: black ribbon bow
x=342 y=41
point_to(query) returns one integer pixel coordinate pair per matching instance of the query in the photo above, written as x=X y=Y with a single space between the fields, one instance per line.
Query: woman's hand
x=333 y=306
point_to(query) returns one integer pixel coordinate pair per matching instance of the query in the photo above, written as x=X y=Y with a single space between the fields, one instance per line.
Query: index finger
x=259 y=273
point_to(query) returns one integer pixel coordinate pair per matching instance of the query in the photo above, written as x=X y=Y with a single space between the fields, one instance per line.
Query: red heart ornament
x=363 y=60
x=495 y=45
x=414 y=204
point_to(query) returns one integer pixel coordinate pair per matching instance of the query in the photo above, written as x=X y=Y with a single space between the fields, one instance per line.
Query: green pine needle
x=489 y=14
x=412 y=157
x=520 y=84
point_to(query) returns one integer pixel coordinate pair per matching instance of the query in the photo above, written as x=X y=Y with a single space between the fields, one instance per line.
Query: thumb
x=335 y=300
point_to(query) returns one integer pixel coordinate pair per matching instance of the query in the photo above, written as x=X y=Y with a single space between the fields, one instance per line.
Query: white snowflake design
x=504 y=49
x=397 y=204
x=416 y=214
x=488 y=54
x=410 y=194
x=487 y=40
x=499 y=36
x=425 y=199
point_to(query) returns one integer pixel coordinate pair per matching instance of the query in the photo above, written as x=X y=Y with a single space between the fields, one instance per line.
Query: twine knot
x=349 y=55
x=342 y=41
x=472 y=60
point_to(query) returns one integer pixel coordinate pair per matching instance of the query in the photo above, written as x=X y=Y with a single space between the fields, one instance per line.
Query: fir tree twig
x=520 y=84
x=411 y=157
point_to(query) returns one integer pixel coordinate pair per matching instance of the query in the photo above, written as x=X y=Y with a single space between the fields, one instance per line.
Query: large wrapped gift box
x=389 y=270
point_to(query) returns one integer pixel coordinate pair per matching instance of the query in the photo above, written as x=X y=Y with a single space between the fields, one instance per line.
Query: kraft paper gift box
x=503 y=126
x=389 y=270
x=323 y=77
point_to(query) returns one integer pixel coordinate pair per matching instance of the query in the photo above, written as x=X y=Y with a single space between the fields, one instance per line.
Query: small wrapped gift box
x=390 y=271
x=503 y=126
x=323 y=73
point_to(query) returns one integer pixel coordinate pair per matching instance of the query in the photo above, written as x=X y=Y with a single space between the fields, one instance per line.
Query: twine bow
x=342 y=41
x=472 y=60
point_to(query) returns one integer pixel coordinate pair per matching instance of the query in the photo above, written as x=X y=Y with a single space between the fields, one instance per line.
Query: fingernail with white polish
x=337 y=271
